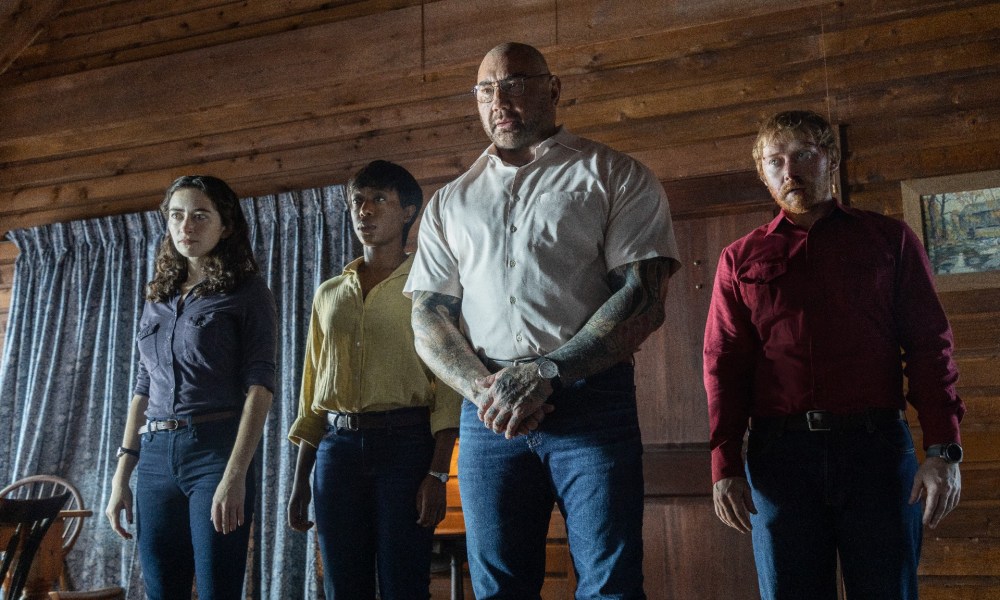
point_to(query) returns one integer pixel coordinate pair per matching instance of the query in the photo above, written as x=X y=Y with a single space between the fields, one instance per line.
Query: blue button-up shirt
x=203 y=356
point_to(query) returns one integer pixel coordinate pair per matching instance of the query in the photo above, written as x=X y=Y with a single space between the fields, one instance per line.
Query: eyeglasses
x=512 y=86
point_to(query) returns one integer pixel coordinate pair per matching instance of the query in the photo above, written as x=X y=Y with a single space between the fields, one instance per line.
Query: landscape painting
x=958 y=219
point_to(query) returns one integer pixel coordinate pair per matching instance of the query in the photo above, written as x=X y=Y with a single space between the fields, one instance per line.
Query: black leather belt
x=181 y=422
x=403 y=417
x=496 y=364
x=612 y=373
x=824 y=420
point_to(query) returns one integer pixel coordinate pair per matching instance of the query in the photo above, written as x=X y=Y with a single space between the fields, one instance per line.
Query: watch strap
x=442 y=477
x=122 y=451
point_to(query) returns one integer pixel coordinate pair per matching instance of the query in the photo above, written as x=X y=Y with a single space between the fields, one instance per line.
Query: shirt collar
x=838 y=210
x=402 y=270
x=561 y=137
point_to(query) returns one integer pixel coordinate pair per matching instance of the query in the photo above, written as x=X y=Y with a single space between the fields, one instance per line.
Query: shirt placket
x=514 y=241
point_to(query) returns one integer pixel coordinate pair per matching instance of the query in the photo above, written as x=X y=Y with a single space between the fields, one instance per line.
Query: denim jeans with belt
x=176 y=479
x=365 y=492
x=844 y=491
x=586 y=457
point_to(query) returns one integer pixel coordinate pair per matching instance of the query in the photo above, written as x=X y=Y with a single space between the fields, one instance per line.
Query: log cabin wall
x=104 y=102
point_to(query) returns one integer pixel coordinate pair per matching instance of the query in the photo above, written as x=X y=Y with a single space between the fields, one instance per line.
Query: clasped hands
x=513 y=401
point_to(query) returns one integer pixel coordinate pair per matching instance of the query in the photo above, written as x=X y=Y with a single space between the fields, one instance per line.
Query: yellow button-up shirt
x=360 y=357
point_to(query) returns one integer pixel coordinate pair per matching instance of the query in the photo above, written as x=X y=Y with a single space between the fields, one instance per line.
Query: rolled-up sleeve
x=260 y=338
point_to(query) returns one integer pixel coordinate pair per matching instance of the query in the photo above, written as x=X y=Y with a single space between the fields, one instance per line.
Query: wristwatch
x=550 y=371
x=442 y=477
x=122 y=451
x=951 y=452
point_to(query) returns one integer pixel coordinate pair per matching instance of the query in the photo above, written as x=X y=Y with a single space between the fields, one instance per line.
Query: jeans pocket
x=895 y=436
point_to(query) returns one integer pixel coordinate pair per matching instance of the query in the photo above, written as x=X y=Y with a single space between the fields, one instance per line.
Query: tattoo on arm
x=442 y=345
x=615 y=331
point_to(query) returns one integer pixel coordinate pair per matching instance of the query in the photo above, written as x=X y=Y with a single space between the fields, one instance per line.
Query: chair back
x=46 y=486
x=28 y=521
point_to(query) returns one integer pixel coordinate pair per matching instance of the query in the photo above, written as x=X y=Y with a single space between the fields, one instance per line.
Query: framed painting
x=958 y=219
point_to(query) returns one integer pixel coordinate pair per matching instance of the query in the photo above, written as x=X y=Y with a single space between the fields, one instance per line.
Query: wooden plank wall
x=114 y=98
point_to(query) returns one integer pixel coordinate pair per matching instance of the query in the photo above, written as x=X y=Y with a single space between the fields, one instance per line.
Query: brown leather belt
x=402 y=417
x=824 y=420
x=182 y=422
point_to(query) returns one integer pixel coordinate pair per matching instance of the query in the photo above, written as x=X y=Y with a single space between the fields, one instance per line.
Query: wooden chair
x=110 y=593
x=45 y=486
x=27 y=522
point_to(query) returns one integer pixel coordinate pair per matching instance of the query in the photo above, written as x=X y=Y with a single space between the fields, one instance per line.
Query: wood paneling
x=21 y=21
x=691 y=554
x=115 y=98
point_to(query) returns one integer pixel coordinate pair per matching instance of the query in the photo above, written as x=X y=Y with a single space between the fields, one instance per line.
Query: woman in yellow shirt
x=374 y=425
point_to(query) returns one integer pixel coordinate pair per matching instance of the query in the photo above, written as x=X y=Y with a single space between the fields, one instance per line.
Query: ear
x=411 y=213
x=555 y=90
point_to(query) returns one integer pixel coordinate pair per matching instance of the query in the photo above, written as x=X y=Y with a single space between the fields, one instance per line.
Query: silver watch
x=547 y=369
x=442 y=477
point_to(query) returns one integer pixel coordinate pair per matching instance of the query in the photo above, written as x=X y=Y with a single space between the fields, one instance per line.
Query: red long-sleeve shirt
x=816 y=320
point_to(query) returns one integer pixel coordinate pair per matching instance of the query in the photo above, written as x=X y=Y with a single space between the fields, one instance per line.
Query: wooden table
x=48 y=562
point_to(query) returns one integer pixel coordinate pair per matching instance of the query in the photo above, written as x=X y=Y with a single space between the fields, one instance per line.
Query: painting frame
x=918 y=196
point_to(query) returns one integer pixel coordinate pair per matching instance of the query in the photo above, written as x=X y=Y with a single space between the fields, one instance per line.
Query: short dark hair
x=791 y=123
x=385 y=175
x=227 y=265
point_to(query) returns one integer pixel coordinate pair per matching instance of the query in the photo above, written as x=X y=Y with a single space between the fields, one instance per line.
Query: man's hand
x=517 y=400
x=941 y=483
x=733 y=503
x=431 y=502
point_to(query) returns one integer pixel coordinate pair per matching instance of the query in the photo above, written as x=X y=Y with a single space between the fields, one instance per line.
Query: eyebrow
x=511 y=76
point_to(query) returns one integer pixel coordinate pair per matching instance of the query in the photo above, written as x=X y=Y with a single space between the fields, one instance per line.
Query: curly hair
x=795 y=123
x=226 y=266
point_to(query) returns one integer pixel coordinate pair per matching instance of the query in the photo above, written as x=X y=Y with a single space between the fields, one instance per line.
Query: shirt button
x=516 y=198
x=513 y=228
x=518 y=338
x=512 y=263
x=513 y=300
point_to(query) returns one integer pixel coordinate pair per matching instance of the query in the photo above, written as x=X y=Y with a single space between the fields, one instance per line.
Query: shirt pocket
x=209 y=335
x=147 y=342
x=866 y=282
x=759 y=284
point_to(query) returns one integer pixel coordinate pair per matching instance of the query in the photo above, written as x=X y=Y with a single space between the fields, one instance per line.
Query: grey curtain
x=69 y=362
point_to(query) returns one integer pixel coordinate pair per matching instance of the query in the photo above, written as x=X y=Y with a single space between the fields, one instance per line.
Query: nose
x=365 y=208
x=187 y=224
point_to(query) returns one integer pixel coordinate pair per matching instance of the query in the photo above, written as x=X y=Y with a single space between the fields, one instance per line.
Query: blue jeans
x=365 y=486
x=820 y=494
x=587 y=458
x=176 y=479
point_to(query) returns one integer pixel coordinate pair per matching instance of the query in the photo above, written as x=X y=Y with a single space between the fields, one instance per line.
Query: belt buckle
x=814 y=420
x=168 y=425
x=353 y=421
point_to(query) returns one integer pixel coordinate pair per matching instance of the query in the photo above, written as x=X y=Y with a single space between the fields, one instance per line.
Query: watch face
x=547 y=369
x=952 y=453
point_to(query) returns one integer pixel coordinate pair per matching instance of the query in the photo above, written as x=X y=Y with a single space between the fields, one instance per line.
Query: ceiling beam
x=20 y=23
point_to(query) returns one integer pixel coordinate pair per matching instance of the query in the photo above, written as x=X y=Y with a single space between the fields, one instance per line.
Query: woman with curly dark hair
x=206 y=343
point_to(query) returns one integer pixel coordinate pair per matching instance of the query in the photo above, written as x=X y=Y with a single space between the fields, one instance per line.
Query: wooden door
x=689 y=553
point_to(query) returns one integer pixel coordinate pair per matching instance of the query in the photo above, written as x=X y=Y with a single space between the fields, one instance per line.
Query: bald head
x=517 y=119
x=527 y=56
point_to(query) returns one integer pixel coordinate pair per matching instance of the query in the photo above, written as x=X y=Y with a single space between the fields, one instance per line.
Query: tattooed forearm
x=441 y=344
x=615 y=331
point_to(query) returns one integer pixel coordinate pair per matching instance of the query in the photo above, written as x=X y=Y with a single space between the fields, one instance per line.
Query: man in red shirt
x=802 y=346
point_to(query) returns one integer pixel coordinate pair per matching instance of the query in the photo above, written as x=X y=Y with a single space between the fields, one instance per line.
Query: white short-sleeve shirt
x=528 y=249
